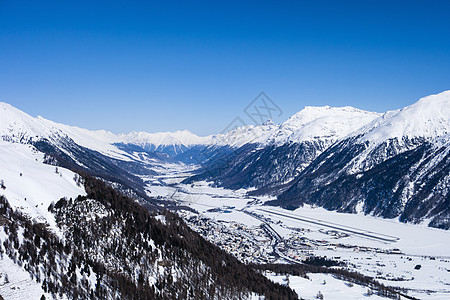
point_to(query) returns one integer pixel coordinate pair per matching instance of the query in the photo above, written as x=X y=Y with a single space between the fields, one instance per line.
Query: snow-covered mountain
x=115 y=145
x=312 y=123
x=396 y=166
x=427 y=118
x=17 y=126
x=66 y=236
x=167 y=142
x=23 y=174
x=75 y=148
x=309 y=124
x=321 y=124
x=275 y=154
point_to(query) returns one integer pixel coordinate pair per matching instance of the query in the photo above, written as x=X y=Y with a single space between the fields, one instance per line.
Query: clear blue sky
x=147 y=66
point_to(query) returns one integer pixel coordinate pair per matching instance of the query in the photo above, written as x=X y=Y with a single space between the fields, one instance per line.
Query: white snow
x=327 y=285
x=98 y=140
x=158 y=139
x=161 y=218
x=428 y=118
x=244 y=135
x=17 y=125
x=309 y=124
x=412 y=239
x=31 y=185
x=314 y=123
x=20 y=285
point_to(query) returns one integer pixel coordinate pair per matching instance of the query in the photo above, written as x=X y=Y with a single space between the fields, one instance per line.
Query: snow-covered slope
x=427 y=118
x=16 y=283
x=76 y=148
x=100 y=140
x=30 y=185
x=161 y=139
x=309 y=124
x=106 y=245
x=17 y=126
x=321 y=123
x=249 y=134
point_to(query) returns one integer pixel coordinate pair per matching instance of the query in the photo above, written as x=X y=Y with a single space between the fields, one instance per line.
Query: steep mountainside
x=113 y=248
x=99 y=244
x=396 y=166
x=102 y=159
x=276 y=155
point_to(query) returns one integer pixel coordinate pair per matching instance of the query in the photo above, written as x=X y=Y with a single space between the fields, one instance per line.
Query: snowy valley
x=337 y=203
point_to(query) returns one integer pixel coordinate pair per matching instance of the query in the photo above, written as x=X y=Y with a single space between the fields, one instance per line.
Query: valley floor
x=413 y=257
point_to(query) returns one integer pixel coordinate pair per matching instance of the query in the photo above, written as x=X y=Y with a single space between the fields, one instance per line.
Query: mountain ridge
x=259 y=134
x=403 y=174
x=320 y=155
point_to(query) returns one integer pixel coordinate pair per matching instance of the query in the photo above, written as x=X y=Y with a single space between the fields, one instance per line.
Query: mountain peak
x=314 y=122
x=311 y=123
x=8 y=108
x=427 y=118
x=17 y=125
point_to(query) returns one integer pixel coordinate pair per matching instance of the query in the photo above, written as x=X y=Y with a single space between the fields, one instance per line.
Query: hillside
x=396 y=166
x=102 y=245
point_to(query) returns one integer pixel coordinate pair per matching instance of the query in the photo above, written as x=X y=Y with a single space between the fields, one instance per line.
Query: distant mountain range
x=394 y=165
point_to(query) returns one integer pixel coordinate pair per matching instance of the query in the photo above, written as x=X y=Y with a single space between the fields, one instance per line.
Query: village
x=262 y=244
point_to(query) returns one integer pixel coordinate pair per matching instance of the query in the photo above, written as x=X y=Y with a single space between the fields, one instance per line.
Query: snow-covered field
x=16 y=283
x=411 y=239
x=325 y=284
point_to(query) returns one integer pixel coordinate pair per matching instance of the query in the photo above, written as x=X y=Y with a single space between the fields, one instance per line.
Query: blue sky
x=169 y=65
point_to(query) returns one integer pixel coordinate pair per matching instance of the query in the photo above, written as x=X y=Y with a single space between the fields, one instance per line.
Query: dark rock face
x=255 y=166
x=408 y=179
